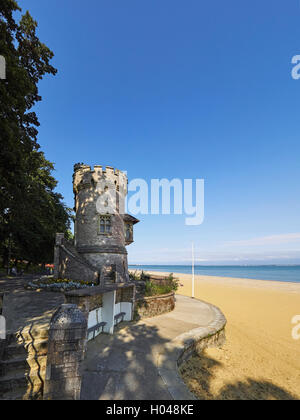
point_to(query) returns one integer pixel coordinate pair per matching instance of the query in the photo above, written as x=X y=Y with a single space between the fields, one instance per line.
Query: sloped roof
x=130 y=219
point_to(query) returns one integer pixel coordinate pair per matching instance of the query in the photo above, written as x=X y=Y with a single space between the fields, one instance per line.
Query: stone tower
x=102 y=230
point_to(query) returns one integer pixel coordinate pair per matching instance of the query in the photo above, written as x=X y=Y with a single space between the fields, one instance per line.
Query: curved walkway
x=139 y=362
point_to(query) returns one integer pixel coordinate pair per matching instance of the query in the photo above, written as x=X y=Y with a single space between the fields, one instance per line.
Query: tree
x=30 y=209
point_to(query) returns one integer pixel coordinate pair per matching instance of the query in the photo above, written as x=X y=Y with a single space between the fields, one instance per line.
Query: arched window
x=104 y=225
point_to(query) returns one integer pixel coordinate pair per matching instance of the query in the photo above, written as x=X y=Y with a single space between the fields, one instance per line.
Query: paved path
x=118 y=367
x=124 y=366
x=25 y=308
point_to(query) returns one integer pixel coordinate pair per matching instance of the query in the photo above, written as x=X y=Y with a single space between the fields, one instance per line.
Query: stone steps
x=23 y=367
x=35 y=333
x=13 y=351
x=13 y=382
x=14 y=365
x=16 y=381
x=18 y=395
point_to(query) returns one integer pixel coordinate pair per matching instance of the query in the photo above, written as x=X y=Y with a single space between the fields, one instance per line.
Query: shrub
x=134 y=276
x=174 y=283
x=153 y=289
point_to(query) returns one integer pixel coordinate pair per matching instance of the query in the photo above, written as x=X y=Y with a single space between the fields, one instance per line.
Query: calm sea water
x=263 y=272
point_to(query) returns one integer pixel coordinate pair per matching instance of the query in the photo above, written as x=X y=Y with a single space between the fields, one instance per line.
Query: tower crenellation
x=86 y=177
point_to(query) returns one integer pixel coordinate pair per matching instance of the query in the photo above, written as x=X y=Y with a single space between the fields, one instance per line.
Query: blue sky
x=182 y=89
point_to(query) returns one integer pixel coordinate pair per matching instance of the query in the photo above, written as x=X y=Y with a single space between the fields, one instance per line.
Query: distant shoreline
x=225 y=265
x=277 y=273
x=237 y=281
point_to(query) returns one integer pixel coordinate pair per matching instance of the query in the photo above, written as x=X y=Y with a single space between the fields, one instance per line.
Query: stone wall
x=92 y=298
x=149 y=307
x=70 y=265
x=66 y=350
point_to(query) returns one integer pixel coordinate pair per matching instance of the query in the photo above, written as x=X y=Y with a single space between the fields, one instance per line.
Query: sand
x=260 y=360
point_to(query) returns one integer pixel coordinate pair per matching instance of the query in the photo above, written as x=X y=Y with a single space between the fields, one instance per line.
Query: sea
x=282 y=273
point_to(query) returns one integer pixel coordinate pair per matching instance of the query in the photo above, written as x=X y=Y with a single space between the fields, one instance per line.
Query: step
x=37 y=348
x=15 y=365
x=10 y=338
x=13 y=382
x=38 y=331
x=22 y=394
x=18 y=395
x=16 y=381
x=14 y=351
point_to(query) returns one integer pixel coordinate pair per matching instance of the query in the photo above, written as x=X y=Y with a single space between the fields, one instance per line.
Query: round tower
x=100 y=233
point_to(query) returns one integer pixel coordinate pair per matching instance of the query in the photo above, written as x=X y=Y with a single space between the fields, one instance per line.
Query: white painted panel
x=90 y=336
x=127 y=308
x=95 y=317
x=92 y=319
x=117 y=308
x=108 y=311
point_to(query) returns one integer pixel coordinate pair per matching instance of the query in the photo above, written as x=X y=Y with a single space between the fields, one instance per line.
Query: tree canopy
x=30 y=209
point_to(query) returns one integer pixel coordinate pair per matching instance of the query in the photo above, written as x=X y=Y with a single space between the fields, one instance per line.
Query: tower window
x=104 y=225
x=128 y=232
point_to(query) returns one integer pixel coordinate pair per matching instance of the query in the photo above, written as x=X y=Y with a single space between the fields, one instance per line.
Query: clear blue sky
x=182 y=89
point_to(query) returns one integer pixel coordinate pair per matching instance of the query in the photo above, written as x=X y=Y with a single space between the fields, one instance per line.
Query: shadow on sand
x=199 y=372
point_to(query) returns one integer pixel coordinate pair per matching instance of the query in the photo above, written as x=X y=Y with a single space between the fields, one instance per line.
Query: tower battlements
x=86 y=177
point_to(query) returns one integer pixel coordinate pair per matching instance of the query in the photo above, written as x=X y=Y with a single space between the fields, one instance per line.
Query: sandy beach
x=260 y=360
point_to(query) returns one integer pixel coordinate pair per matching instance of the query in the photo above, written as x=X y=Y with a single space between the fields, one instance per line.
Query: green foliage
x=134 y=276
x=154 y=289
x=30 y=209
x=139 y=276
x=174 y=283
x=144 y=276
x=69 y=236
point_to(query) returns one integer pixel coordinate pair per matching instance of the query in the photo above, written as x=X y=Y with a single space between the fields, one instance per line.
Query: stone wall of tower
x=92 y=187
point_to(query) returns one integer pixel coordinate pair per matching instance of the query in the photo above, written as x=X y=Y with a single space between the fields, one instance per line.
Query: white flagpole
x=193 y=271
